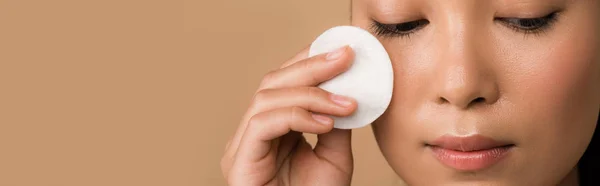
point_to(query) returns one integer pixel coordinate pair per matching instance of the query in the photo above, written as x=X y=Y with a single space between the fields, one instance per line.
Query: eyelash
x=528 y=26
x=391 y=30
x=522 y=25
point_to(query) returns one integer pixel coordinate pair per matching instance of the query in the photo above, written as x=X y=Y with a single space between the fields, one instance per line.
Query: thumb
x=335 y=147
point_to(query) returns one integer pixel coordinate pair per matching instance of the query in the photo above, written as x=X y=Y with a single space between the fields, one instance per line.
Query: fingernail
x=336 y=54
x=322 y=119
x=341 y=100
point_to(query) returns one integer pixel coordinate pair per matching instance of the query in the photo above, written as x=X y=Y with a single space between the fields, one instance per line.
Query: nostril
x=479 y=100
x=443 y=100
x=476 y=101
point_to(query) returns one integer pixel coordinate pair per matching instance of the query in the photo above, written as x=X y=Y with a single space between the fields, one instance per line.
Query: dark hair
x=589 y=164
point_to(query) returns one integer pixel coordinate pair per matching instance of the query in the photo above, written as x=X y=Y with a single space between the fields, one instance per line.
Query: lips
x=470 y=153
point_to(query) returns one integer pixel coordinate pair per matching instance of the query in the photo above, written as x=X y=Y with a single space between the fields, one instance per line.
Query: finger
x=312 y=99
x=288 y=144
x=311 y=71
x=344 y=60
x=298 y=57
x=335 y=147
x=343 y=63
x=303 y=54
x=264 y=127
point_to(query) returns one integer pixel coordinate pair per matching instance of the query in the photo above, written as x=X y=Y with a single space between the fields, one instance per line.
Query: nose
x=465 y=74
x=465 y=86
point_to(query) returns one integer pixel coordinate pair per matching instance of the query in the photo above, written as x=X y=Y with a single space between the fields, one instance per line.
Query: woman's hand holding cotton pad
x=369 y=80
x=287 y=100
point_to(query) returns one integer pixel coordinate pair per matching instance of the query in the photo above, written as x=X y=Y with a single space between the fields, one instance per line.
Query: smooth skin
x=466 y=72
x=269 y=148
x=539 y=90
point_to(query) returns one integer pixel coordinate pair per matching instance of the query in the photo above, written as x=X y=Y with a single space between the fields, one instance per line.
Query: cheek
x=556 y=96
x=552 y=83
x=399 y=129
x=561 y=82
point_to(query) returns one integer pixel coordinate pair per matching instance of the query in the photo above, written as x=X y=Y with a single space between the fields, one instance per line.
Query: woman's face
x=495 y=92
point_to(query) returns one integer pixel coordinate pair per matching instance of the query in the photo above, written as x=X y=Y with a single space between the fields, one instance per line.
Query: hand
x=269 y=148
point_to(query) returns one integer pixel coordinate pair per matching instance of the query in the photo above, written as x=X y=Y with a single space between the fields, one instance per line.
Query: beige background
x=144 y=92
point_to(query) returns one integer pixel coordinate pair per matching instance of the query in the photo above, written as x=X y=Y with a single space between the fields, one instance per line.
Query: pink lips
x=469 y=153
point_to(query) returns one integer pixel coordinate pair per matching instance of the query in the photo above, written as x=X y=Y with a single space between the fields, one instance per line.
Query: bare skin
x=521 y=71
x=487 y=73
x=268 y=147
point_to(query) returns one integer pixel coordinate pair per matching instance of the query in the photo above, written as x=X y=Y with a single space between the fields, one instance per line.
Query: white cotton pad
x=369 y=80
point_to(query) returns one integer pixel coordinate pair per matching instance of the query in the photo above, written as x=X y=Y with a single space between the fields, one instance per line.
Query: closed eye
x=529 y=25
x=402 y=29
x=523 y=25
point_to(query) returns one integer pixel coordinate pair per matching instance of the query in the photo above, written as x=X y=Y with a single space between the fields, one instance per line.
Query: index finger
x=311 y=71
x=302 y=55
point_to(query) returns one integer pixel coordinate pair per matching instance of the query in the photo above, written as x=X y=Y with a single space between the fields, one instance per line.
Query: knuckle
x=314 y=92
x=316 y=96
x=296 y=113
x=268 y=78
x=310 y=67
x=308 y=64
x=254 y=120
x=260 y=95
x=257 y=123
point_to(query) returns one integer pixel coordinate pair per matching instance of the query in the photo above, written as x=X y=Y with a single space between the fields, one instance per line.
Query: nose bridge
x=463 y=77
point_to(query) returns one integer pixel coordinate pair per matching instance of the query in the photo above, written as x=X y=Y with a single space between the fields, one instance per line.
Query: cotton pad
x=369 y=80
